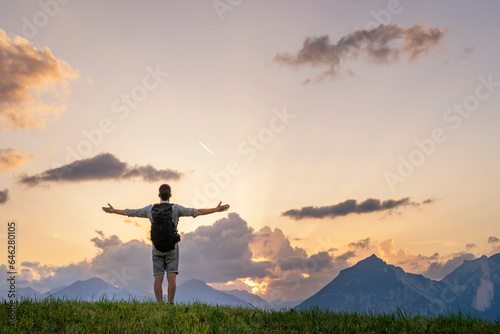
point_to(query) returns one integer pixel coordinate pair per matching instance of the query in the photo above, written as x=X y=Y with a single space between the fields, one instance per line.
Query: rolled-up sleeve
x=144 y=212
x=185 y=212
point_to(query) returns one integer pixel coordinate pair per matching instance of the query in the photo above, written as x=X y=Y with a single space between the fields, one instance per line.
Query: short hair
x=165 y=192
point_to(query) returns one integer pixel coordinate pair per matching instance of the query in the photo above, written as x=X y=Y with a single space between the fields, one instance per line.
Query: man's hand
x=221 y=208
x=218 y=208
x=110 y=209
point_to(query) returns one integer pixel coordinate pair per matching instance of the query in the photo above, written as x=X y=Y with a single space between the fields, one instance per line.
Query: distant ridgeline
x=95 y=289
x=373 y=285
x=369 y=286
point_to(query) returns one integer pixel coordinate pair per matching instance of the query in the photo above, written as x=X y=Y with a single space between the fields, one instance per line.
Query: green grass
x=60 y=316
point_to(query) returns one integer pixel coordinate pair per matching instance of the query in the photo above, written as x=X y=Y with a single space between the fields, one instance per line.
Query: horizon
x=460 y=287
x=335 y=130
x=150 y=294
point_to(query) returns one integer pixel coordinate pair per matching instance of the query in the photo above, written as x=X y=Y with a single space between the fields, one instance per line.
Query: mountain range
x=190 y=291
x=371 y=285
x=196 y=290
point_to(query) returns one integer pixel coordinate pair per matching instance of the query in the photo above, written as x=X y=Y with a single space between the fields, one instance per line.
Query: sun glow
x=256 y=287
x=259 y=259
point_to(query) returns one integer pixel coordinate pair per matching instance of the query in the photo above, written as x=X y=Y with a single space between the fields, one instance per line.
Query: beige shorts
x=166 y=261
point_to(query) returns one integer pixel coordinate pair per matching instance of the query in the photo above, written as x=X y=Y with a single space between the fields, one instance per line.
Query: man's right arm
x=110 y=209
x=142 y=213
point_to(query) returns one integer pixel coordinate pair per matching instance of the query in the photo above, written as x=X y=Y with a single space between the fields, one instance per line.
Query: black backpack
x=163 y=229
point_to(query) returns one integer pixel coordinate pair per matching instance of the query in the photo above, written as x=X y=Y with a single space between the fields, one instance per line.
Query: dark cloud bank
x=101 y=167
x=384 y=44
x=350 y=206
x=4 y=195
x=221 y=252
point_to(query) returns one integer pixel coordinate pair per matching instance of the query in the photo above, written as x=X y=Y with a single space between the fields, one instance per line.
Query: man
x=166 y=261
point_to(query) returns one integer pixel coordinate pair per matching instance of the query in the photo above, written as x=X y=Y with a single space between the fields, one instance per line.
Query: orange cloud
x=12 y=159
x=434 y=267
x=27 y=74
x=134 y=222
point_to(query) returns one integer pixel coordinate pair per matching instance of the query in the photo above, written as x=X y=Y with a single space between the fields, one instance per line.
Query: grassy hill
x=139 y=317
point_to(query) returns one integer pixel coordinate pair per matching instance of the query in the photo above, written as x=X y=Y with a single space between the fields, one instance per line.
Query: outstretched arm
x=110 y=209
x=218 y=208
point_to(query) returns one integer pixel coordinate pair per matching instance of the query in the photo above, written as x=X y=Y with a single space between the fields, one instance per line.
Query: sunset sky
x=334 y=129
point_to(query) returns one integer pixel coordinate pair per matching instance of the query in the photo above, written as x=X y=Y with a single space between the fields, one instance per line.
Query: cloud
x=439 y=269
x=495 y=245
x=348 y=207
x=434 y=267
x=4 y=195
x=493 y=240
x=230 y=252
x=27 y=74
x=101 y=167
x=273 y=245
x=382 y=45
x=119 y=263
x=133 y=222
x=362 y=244
x=42 y=270
x=296 y=274
x=402 y=257
x=469 y=246
x=126 y=264
x=306 y=277
x=12 y=159
x=225 y=251
x=346 y=256
x=466 y=52
x=312 y=264
x=429 y=201
x=215 y=253
x=221 y=252
x=104 y=242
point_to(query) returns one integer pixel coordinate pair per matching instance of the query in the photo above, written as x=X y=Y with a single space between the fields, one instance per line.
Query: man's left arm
x=143 y=213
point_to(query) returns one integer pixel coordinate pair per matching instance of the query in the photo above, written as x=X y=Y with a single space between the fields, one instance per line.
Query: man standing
x=166 y=261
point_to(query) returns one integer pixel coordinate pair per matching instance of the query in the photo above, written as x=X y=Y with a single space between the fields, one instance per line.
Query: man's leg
x=158 y=288
x=171 y=279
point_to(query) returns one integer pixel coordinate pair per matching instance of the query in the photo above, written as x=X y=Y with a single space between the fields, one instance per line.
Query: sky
x=334 y=129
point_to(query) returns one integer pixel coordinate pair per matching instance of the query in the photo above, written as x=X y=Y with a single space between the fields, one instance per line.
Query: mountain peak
x=195 y=282
x=95 y=280
x=89 y=290
x=374 y=257
x=371 y=262
x=195 y=290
